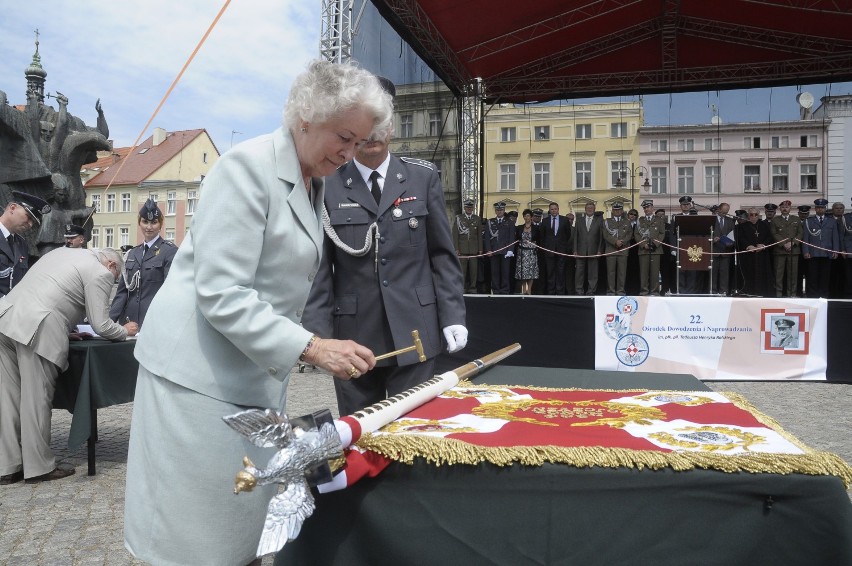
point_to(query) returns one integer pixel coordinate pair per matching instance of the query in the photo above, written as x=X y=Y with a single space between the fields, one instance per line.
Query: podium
x=695 y=242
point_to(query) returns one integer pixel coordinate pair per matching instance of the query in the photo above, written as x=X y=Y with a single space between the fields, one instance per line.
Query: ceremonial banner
x=642 y=429
x=713 y=338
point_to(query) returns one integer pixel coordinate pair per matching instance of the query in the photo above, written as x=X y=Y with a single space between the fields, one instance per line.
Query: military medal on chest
x=397 y=212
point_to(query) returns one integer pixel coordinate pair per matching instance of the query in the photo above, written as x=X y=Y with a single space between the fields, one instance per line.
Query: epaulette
x=420 y=162
x=169 y=242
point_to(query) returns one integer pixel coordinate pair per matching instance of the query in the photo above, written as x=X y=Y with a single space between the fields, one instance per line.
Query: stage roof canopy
x=541 y=50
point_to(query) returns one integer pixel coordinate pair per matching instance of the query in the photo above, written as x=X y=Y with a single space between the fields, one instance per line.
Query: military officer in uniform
x=820 y=230
x=20 y=215
x=388 y=267
x=650 y=230
x=499 y=233
x=145 y=268
x=787 y=229
x=617 y=233
x=784 y=337
x=467 y=238
x=75 y=236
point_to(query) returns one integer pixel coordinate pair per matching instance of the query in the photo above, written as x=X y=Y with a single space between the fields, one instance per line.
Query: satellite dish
x=715 y=120
x=805 y=100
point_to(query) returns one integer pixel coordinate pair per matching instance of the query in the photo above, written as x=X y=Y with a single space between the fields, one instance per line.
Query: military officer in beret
x=388 y=267
x=822 y=242
x=145 y=268
x=75 y=236
x=499 y=233
x=650 y=230
x=617 y=233
x=20 y=215
x=467 y=238
x=787 y=229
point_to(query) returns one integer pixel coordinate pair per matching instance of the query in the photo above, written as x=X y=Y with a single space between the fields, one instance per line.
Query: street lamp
x=640 y=170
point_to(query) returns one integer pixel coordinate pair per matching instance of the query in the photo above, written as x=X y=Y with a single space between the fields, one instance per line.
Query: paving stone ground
x=79 y=520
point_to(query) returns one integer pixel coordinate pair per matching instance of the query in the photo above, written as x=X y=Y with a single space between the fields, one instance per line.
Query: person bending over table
x=62 y=287
x=224 y=331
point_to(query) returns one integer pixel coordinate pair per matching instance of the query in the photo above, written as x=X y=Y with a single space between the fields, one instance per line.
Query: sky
x=128 y=53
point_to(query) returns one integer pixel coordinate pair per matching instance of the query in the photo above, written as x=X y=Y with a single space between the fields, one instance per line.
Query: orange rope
x=165 y=97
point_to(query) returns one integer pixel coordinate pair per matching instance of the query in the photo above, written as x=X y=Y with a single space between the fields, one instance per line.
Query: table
x=558 y=514
x=100 y=374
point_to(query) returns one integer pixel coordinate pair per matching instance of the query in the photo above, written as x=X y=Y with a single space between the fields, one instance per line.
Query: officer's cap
x=784 y=322
x=617 y=206
x=34 y=206
x=500 y=205
x=741 y=214
x=387 y=85
x=684 y=198
x=538 y=212
x=805 y=208
x=72 y=231
x=647 y=202
x=770 y=206
x=821 y=202
x=126 y=248
x=150 y=211
x=468 y=202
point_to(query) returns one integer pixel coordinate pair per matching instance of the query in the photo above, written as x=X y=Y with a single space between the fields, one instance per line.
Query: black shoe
x=56 y=474
x=12 y=478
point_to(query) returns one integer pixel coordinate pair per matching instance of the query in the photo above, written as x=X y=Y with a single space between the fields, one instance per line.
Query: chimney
x=159 y=136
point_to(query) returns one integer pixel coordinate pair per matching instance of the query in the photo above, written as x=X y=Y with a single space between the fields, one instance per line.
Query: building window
x=96 y=237
x=751 y=178
x=124 y=236
x=191 y=200
x=712 y=178
x=751 y=143
x=618 y=130
x=685 y=180
x=110 y=202
x=507 y=176
x=780 y=142
x=686 y=145
x=508 y=134
x=780 y=178
x=434 y=123
x=658 y=180
x=204 y=157
x=618 y=173
x=170 y=235
x=96 y=203
x=406 y=126
x=108 y=238
x=153 y=197
x=584 y=174
x=712 y=144
x=171 y=202
x=659 y=145
x=808 y=141
x=542 y=133
x=541 y=176
x=584 y=131
x=808 y=176
x=125 y=202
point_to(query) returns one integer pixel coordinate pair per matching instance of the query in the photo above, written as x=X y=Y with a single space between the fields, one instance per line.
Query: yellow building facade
x=567 y=154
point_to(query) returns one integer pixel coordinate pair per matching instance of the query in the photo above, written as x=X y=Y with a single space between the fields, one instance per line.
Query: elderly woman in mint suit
x=224 y=331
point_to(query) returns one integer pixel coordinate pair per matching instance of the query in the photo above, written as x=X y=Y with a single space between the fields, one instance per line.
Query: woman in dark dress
x=752 y=237
x=526 y=267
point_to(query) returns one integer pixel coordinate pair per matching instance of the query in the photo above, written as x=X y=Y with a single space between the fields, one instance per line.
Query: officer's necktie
x=11 y=239
x=374 y=186
x=553 y=224
x=147 y=247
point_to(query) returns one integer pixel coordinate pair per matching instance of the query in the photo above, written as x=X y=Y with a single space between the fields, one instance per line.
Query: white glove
x=674 y=253
x=510 y=254
x=456 y=337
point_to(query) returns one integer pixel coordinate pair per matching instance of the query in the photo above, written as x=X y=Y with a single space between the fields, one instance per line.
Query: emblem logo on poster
x=632 y=350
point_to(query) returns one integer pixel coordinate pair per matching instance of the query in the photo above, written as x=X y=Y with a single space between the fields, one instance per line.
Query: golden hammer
x=418 y=345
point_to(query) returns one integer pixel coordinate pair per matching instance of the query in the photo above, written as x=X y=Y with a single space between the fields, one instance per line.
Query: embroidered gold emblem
x=684 y=399
x=694 y=253
x=623 y=413
x=709 y=438
x=424 y=425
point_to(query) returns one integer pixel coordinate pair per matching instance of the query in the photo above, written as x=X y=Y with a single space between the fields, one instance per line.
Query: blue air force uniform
x=135 y=292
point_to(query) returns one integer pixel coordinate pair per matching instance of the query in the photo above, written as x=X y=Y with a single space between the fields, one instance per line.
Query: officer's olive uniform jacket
x=653 y=231
x=414 y=283
x=467 y=234
x=786 y=229
x=615 y=229
x=153 y=268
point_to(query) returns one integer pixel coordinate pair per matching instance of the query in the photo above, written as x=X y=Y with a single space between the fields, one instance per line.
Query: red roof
x=550 y=49
x=142 y=162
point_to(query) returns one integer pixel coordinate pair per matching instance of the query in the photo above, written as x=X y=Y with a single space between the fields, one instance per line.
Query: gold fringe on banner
x=406 y=448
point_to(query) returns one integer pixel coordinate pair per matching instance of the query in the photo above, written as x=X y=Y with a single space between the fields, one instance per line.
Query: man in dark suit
x=20 y=215
x=588 y=242
x=722 y=243
x=499 y=233
x=406 y=277
x=556 y=237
